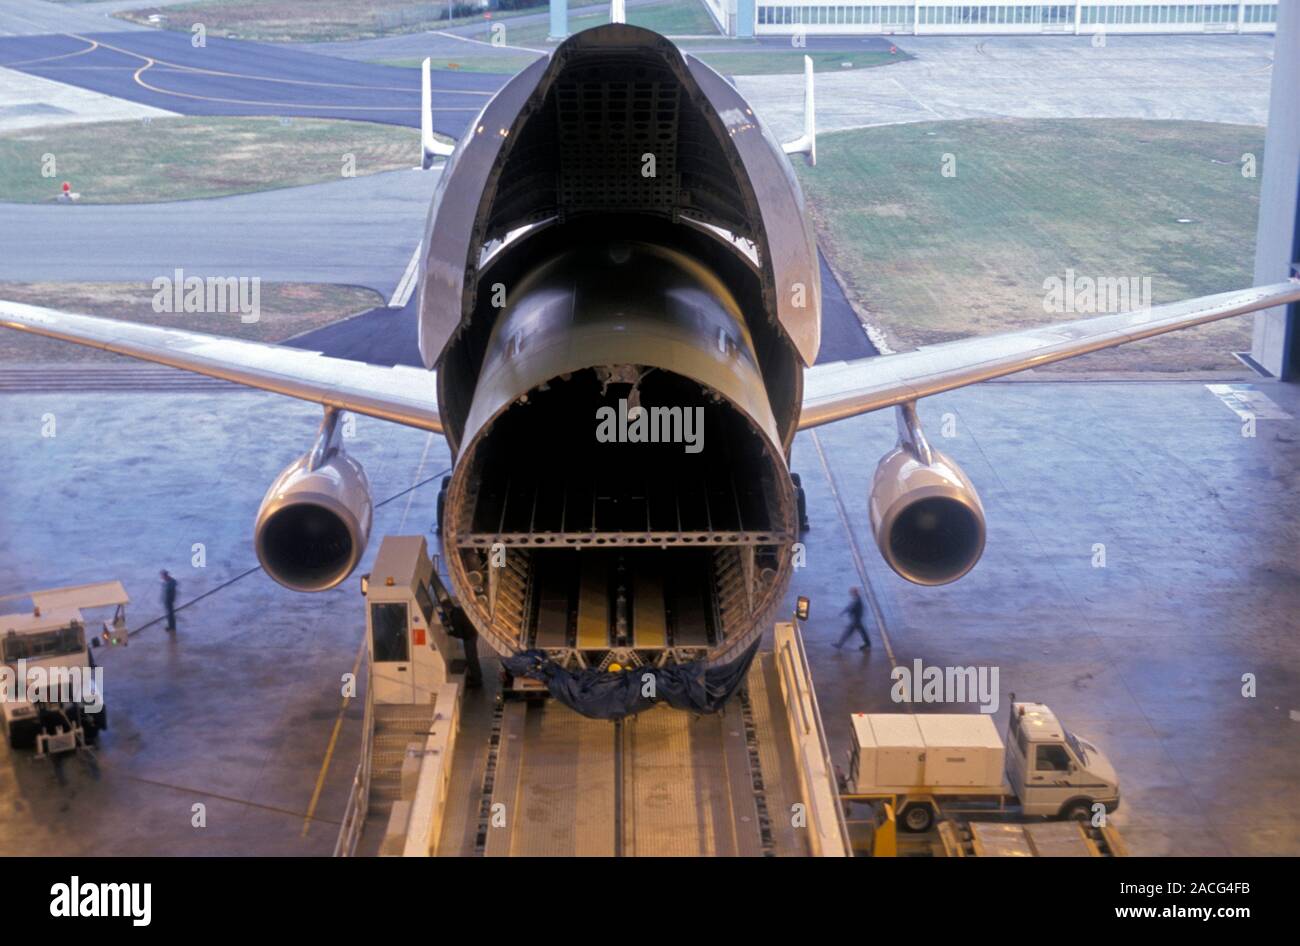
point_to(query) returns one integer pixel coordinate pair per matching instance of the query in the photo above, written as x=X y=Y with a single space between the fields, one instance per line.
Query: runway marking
x=264 y=104
x=150 y=61
x=329 y=749
x=406 y=286
x=858 y=563
x=419 y=470
x=207 y=794
x=309 y=82
x=361 y=649
x=243 y=75
x=80 y=52
x=902 y=88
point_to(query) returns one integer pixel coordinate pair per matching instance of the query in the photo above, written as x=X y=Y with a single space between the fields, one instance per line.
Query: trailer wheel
x=918 y=817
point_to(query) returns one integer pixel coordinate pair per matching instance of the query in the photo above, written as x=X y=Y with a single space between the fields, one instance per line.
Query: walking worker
x=169 y=599
x=854 y=611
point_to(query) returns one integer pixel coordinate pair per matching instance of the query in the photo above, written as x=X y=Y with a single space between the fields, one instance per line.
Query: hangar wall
x=1275 y=345
x=944 y=17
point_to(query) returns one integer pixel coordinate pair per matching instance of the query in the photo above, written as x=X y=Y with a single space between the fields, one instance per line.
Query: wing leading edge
x=844 y=389
x=403 y=395
x=831 y=392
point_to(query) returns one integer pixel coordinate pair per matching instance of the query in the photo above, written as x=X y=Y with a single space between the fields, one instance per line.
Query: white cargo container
x=906 y=752
x=928 y=758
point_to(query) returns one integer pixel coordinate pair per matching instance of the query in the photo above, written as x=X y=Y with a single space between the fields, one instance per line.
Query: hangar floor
x=242 y=711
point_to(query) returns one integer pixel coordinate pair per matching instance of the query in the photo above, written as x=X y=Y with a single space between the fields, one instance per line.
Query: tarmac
x=1189 y=78
x=357 y=231
x=37 y=17
x=238 y=711
x=162 y=69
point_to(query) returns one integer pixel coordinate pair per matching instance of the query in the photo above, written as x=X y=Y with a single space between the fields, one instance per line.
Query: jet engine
x=925 y=514
x=314 y=522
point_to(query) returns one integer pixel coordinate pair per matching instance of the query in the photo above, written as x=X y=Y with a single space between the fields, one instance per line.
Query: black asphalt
x=381 y=336
x=234 y=77
x=843 y=337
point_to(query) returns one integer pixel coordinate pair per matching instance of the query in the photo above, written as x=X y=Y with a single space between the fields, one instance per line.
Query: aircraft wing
x=403 y=395
x=844 y=389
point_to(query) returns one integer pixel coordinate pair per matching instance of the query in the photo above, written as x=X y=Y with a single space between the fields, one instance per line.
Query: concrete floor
x=235 y=712
x=1190 y=78
x=1144 y=656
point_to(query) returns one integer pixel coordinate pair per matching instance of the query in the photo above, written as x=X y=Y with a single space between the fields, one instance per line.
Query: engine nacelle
x=926 y=516
x=314 y=523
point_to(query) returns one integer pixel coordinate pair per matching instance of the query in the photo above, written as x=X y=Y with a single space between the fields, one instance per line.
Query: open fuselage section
x=622 y=493
x=618 y=325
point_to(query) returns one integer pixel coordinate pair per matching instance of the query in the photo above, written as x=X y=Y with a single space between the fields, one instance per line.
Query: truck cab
x=407 y=641
x=1054 y=772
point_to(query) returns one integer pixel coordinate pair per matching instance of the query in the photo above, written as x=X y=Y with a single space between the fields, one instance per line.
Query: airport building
x=941 y=17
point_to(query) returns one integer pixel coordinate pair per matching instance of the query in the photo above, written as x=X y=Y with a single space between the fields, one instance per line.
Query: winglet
x=617 y=11
x=806 y=144
x=430 y=147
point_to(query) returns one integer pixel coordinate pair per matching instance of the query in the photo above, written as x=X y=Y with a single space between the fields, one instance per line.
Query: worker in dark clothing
x=169 y=599
x=458 y=625
x=854 y=611
x=801 y=502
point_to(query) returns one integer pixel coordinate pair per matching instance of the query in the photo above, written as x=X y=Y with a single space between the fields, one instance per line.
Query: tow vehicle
x=49 y=696
x=929 y=762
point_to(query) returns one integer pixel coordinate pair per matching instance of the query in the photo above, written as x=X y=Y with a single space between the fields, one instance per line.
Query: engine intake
x=925 y=514
x=314 y=523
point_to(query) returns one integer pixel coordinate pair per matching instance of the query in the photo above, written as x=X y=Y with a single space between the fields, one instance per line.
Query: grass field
x=309 y=21
x=184 y=158
x=287 y=309
x=931 y=258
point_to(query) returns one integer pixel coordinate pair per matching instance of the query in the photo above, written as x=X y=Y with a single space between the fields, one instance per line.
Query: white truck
x=926 y=760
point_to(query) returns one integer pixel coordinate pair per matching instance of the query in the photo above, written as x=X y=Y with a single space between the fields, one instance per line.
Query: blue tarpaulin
x=601 y=694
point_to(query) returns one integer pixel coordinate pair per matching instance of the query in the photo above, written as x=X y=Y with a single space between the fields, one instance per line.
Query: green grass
x=309 y=21
x=932 y=258
x=286 y=309
x=184 y=158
